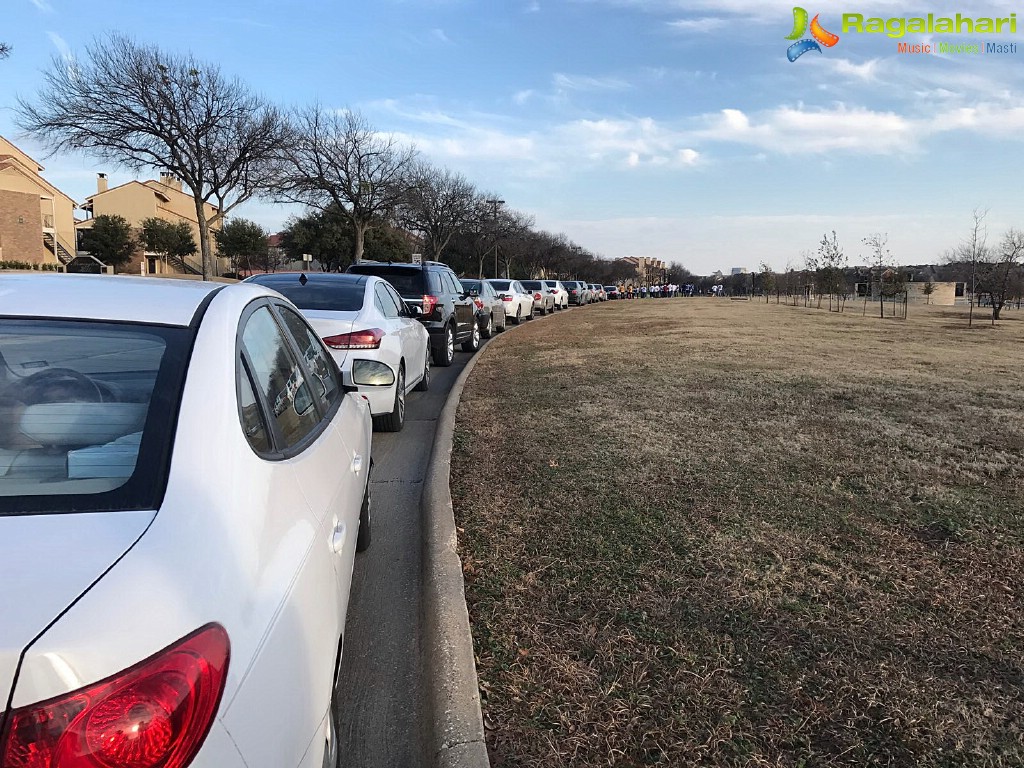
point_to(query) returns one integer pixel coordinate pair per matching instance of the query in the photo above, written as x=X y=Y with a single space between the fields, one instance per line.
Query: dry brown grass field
x=707 y=532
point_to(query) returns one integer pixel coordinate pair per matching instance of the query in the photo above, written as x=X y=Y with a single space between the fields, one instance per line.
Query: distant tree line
x=366 y=194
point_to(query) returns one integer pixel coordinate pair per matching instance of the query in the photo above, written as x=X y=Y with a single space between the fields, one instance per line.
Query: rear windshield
x=77 y=433
x=500 y=285
x=470 y=285
x=407 y=281
x=533 y=285
x=334 y=294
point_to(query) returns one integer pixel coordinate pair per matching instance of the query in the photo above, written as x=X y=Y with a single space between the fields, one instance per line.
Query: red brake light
x=479 y=303
x=153 y=715
x=429 y=302
x=538 y=296
x=368 y=339
x=506 y=298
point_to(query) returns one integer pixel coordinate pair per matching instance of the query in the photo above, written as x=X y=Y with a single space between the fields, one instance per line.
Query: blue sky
x=667 y=128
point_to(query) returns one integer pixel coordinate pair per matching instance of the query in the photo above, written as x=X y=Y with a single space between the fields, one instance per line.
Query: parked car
x=490 y=310
x=373 y=335
x=612 y=292
x=557 y=290
x=518 y=302
x=184 y=483
x=579 y=294
x=447 y=310
x=597 y=292
x=543 y=300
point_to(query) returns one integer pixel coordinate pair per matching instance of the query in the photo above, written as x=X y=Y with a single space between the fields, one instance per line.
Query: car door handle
x=357 y=463
x=338 y=538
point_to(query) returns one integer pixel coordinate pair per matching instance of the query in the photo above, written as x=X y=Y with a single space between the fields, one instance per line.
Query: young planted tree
x=335 y=158
x=245 y=245
x=832 y=271
x=769 y=281
x=110 y=239
x=173 y=242
x=144 y=108
x=881 y=258
x=970 y=256
x=928 y=289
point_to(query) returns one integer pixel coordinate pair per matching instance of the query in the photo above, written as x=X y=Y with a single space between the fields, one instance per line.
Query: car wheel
x=444 y=355
x=530 y=316
x=363 y=537
x=504 y=322
x=394 y=421
x=488 y=330
x=519 y=316
x=424 y=384
x=474 y=340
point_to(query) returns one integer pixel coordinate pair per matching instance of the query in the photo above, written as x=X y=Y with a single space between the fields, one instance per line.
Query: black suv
x=446 y=308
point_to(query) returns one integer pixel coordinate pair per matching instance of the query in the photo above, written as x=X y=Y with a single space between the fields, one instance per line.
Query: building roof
x=13 y=159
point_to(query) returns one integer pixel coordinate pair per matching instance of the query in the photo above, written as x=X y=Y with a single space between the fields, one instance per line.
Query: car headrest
x=77 y=424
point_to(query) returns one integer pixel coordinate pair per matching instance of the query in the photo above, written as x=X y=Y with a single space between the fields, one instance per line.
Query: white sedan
x=183 y=488
x=517 y=300
x=374 y=336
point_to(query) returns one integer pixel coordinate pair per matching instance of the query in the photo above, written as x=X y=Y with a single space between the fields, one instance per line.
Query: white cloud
x=43 y=6
x=586 y=83
x=705 y=24
x=440 y=36
x=62 y=46
x=532 y=7
x=866 y=71
x=791 y=130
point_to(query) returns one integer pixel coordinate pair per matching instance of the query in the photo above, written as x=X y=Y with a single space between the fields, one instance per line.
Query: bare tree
x=1001 y=272
x=437 y=204
x=971 y=253
x=5 y=50
x=831 y=266
x=334 y=157
x=140 y=107
x=881 y=259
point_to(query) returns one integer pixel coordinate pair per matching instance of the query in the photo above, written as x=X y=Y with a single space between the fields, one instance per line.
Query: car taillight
x=479 y=303
x=368 y=339
x=506 y=298
x=537 y=297
x=153 y=715
x=574 y=291
x=429 y=302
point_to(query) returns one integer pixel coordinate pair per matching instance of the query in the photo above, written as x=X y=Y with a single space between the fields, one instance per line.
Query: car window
x=533 y=285
x=501 y=285
x=77 y=433
x=317 y=293
x=278 y=378
x=408 y=281
x=326 y=382
x=387 y=305
x=402 y=307
x=254 y=426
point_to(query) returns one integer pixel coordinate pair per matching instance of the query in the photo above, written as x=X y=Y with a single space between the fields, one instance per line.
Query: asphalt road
x=382 y=720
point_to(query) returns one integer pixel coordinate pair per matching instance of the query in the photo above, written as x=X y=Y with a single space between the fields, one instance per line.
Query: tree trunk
x=359 y=227
x=204 y=240
x=997 y=307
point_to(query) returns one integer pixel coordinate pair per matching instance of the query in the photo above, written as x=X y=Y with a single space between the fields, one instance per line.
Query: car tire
x=488 y=330
x=394 y=421
x=424 y=384
x=519 y=316
x=445 y=354
x=473 y=344
x=530 y=316
x=364 y=535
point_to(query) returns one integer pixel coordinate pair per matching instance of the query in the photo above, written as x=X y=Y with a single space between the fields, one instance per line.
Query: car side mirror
x=414 y=310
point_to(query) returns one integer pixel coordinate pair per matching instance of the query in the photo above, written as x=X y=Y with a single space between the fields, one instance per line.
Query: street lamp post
x=494 y=203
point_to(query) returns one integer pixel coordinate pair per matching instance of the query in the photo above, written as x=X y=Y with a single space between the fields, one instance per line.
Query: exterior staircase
x=186 y=265
x=56 y=247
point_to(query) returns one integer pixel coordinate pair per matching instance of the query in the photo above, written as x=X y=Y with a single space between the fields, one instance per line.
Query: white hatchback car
x=375 y=338
x=518 y=301
x=183 y=488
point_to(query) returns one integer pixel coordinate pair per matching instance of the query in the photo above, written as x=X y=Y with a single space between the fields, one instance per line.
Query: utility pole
x=494 y=203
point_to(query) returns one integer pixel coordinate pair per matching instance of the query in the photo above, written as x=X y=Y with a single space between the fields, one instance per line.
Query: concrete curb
x=454 y=735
